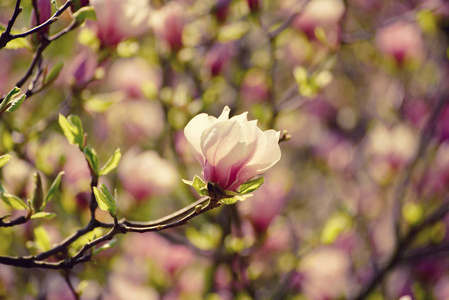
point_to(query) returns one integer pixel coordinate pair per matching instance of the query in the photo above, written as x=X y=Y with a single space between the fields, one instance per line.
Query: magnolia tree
x=120 y=117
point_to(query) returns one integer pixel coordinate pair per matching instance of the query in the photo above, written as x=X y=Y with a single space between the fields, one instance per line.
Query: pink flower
x=231 y=151
x=402 y=41
x=120 y=19
x=139 y=181
x=168 y=24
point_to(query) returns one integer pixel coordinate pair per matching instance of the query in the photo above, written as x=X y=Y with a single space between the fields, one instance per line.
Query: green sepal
x=112 y=163
x=199 y=185
x=105 y=200
x=251 y=186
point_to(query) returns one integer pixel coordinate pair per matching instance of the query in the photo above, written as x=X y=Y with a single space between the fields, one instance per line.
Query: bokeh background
x=359 y=85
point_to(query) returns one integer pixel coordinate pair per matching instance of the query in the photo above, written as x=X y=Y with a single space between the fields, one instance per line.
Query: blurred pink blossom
x=231 y=151
x=270 y=201
x=133 y=121
x=82 y=69
x=168 y=24
x=222 y=10
x=171 y=258
x=326 y=274
x=401 y=41
x=145 y=174
x=253 y=5
x=120 y=19
x=254 y=87
x=323 y=14
x=217 y=58
x=133 y=75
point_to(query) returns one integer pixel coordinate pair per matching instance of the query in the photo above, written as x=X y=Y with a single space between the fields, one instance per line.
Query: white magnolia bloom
x=231 y=151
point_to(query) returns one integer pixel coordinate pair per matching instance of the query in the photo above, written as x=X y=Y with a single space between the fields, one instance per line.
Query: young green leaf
x=73 y=129
x=43 y=215
x=53 y=188
x=15 y=91
x=85 y=13
x=53 y=74
x=251 y=186
x=112 y=163
x=18 y=44
x=41 y=238
x=13 y=201
x=4 y=159
x=108 y=245
x=16 y=103
x=92 y=158
x=37 y=200
x=105 y=200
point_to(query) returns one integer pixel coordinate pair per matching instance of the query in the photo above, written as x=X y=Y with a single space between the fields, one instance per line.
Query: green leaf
x=251 y=186
x=108 y=245
x=15 y=91
x=53 y=188
x=233 y=31
x=41 y=238
x=73 y=129
x=13 y=201
x=86 y=12
x=16 y=103
x=105 y=200
x=112 y=163
x=53 y=74
x=38 y=194
x=43 y=215
x=92 y=158
x=4 y=159
x=232 y=200
x=18 y=43
x=334 y=226
x=199 y=185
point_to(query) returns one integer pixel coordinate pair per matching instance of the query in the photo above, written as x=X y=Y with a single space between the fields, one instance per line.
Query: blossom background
x=356 y=207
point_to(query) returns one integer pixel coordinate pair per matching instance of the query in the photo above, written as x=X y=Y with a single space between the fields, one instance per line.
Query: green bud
x=38 y=195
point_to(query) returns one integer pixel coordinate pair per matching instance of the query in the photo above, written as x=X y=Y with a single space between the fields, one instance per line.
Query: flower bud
x=44 y=13
x=231 y=151
x=221 y=10
x=253 y=5
x=120 y=19
x=38 y=195
x=168 y=25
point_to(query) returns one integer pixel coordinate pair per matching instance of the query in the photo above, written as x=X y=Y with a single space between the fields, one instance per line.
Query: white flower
x=231 y=151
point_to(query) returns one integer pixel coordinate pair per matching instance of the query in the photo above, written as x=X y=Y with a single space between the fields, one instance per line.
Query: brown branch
x=6 y=35
x=121 y=227
x=399 y=252
x=17 y=221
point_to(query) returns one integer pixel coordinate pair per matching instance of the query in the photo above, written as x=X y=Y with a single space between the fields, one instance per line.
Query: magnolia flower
x=120 y=19
x=231 y=151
